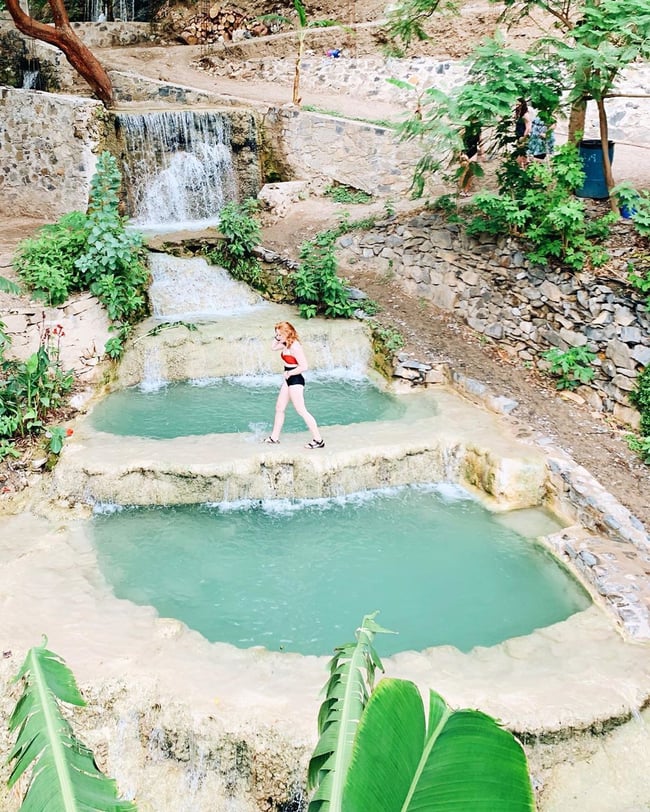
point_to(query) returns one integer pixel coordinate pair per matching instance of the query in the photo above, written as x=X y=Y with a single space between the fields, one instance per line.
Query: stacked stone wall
x=48 y=152
x=529 y=309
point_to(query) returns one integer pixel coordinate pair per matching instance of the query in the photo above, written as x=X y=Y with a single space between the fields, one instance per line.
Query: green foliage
x=91 y=251
x=56 y=436
x=640 y=445
x=32 y=389
x=317 y=287
x=64 y=775
x=346 y=194
x=387 y=340
x=640 y=397
x=403 y=761
x=352 y=673
x=242 y=234
x=406 y=20
x=46 y=263
x=7 y=286
x=572 y=366
x=8 y=449
x=538 y=205
x=378 y=750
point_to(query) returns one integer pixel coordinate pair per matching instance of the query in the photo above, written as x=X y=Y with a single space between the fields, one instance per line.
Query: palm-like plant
x=377 y=750
x=64 y=775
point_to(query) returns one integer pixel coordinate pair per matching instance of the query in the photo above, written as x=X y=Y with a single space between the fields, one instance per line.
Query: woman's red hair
x=287 y=330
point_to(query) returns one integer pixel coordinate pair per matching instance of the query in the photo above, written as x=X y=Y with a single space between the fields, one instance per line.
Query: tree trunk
x=63 y=37
x=577 y=120
x=604 y=143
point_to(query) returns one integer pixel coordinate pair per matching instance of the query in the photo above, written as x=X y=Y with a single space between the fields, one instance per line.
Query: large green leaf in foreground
x=64 y=776
x=461 y=761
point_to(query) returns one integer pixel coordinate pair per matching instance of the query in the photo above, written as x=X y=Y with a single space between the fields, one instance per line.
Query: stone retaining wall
x=46 y=170
x=491 y=286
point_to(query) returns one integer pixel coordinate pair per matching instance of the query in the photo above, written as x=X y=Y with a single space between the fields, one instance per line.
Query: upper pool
x=247 y=403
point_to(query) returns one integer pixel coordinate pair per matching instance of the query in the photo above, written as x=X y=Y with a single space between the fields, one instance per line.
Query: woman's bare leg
x=280 y=409
x=297 y=395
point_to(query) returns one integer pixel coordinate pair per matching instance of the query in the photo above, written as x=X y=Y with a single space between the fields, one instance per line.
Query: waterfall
x=96 y=10
x=190 y=289
x=178 y=168
x=153 y=379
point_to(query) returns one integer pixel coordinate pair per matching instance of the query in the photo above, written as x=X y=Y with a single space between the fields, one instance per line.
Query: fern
x=64 y=775
x=346 y=695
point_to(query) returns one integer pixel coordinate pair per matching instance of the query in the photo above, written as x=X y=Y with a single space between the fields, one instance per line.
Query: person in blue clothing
x=523 y=124
x=286 y=341
x=541 y=141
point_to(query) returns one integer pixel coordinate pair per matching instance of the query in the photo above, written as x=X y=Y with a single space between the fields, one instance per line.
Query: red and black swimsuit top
x=289 y=359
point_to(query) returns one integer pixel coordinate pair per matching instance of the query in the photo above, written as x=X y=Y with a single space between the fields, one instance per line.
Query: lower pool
x=244 y=404
x=297 y=576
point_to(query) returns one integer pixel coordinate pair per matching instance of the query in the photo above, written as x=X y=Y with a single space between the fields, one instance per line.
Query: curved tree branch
x=62 y=36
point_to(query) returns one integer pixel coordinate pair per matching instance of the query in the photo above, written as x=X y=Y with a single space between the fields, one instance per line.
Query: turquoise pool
x=298 y=576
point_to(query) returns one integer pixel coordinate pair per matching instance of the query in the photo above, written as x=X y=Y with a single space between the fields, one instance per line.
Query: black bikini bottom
x=295 y=380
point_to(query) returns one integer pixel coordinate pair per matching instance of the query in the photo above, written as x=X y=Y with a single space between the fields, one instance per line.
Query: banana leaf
x=64 y=775
x=461 y=760
x=352 y=670
x=7 y=286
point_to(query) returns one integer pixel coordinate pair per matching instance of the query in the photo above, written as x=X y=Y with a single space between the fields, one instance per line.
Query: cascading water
x=123 y=10
x=178 y=168
x=30 y=79
x=187 y=289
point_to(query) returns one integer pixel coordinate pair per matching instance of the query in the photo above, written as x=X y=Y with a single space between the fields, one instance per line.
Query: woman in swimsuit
x=293 y=386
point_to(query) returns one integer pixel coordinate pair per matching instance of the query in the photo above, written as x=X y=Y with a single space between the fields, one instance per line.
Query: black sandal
x=315 y=444
x=270 y=440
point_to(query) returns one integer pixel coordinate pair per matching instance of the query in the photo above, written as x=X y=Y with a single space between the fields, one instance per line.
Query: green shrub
x=317 y=287
x=242 y=235
x=347 y=194
x=537 y=204
x=31 y=390
x=46 y=263
x=640 y=397
x=572 y=366
x=91 y=251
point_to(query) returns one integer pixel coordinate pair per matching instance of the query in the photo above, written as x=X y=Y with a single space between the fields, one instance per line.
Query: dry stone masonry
x=529 y=309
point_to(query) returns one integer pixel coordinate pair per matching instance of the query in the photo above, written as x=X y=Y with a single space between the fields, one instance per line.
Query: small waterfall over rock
x=178 y=167
x=190 y=289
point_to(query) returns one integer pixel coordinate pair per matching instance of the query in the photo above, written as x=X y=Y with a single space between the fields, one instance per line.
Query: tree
x=62 y=36
x=303 y=24
x=598 y=40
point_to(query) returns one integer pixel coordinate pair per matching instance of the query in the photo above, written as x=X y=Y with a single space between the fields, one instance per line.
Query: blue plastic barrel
x=591 y=153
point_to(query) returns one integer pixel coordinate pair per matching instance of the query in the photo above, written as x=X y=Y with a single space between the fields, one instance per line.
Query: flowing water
x=178 y=167
x=299 y=575
x=191 y=289
x=245 y=404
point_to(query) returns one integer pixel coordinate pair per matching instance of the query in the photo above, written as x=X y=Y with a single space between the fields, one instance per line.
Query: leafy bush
x=538 y=205
x=640 y=397
x=32 y=389
x=317 y=287
x=346 y=194
x=640 y=445
x=89 y=251
x=571 y=366
x=46 y=263
x=242 y=235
